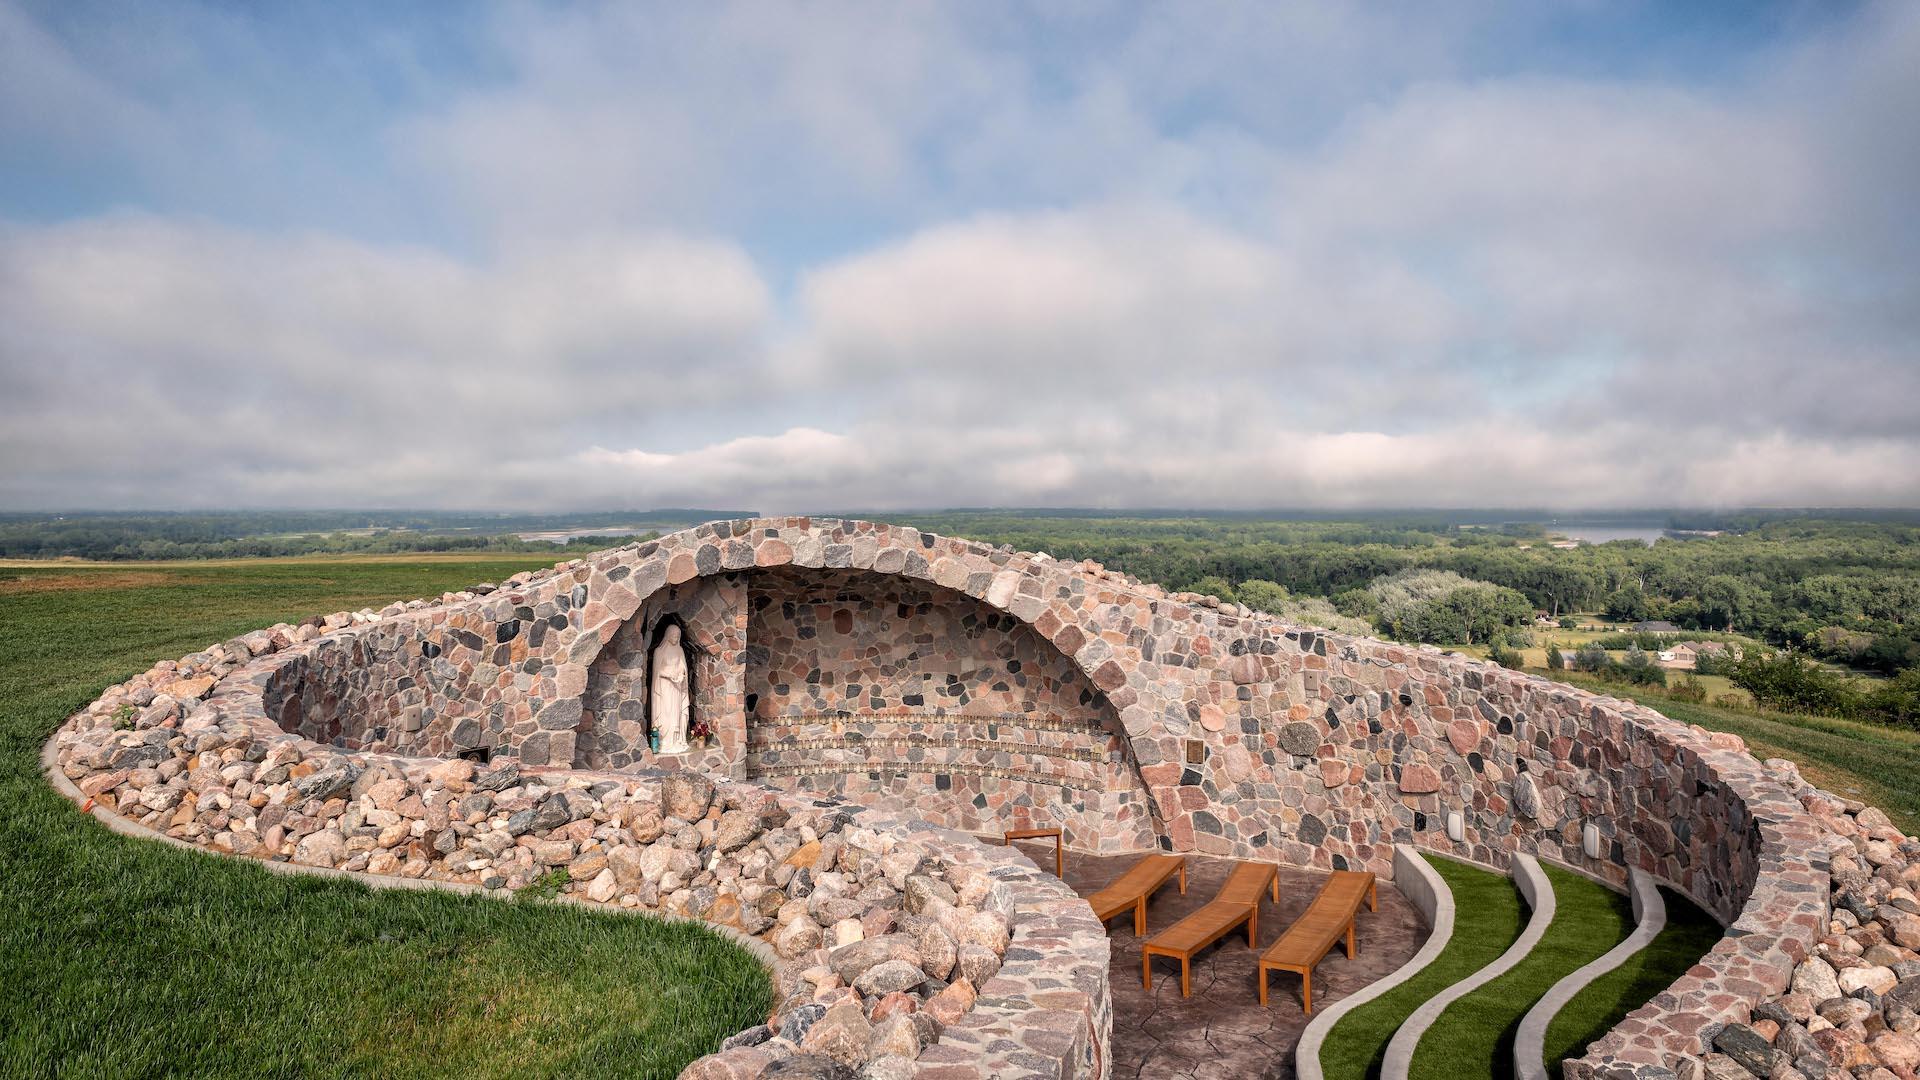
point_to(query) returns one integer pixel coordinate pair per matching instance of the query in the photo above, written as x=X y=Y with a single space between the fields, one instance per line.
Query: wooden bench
x=1238 y=902
x=1131 y=889
x=1312 y=935
x=1059 y=853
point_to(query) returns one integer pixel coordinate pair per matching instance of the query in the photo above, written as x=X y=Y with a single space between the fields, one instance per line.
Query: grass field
x=1488 y=917
x=126 y=958
x=1475 y=1036
x=1688 y=936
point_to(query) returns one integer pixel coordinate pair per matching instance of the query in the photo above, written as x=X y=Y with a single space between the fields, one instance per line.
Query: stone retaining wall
x=1251 y=738
x=906 y=950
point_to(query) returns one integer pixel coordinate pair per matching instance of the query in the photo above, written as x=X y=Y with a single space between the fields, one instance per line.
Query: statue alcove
x=658 y=741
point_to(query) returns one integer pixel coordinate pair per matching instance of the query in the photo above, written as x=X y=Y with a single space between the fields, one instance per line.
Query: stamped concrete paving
x=1221 y=1031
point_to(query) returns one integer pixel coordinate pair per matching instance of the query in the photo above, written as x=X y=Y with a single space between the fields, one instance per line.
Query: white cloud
x=1204 y=255
x=147 y=357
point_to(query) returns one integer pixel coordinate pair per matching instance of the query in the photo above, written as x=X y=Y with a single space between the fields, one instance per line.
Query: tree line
x=1847 y=590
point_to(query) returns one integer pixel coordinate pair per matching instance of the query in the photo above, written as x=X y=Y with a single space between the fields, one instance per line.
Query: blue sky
x=808 y=256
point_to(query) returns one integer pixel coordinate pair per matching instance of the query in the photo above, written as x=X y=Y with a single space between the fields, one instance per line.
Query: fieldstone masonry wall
x=912 y=698
x=613 y=721
x=1251 y=738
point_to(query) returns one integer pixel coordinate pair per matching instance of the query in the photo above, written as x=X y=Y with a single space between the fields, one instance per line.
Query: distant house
x=1541 y=618
x=1685 y=656
x=1657 y=626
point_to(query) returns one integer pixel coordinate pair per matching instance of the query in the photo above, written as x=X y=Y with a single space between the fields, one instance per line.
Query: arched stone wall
x=914 y=698
x=613 y=718
x=1253 y=738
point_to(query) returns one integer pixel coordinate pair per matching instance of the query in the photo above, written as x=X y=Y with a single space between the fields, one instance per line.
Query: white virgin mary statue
x=670 y=707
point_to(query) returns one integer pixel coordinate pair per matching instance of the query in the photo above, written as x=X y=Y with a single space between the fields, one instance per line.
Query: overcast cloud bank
x=908 y=256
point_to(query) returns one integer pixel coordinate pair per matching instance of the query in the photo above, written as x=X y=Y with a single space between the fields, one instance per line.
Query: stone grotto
x=866 y=700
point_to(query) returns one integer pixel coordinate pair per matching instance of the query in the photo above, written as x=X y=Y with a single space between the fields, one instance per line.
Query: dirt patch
x=102 y=579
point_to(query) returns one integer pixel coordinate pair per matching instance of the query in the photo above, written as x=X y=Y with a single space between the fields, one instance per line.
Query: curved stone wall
x=878 y=688
x=1247 y=737
x=902 y=948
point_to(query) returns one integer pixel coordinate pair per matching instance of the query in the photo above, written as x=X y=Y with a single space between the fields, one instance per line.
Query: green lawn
x=1474 y=1037
x=1872 y=762
x=1489 y=915
x=126 y=958
x=1690 y=933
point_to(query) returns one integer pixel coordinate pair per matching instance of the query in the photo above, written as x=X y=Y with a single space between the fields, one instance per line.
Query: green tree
x=1627 y=604
x=1262 y=595
x=1726 y=601
x=1592 y=657
x=1214 y=586
x=1790 y=681
x=1637 y=667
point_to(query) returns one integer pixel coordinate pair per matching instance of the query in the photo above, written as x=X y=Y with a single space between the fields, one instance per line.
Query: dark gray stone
x=328 y=783
x=499 y=779
x=1312 y=830
x=809 y=1067
x=1747 y=1047
x=796 y=1024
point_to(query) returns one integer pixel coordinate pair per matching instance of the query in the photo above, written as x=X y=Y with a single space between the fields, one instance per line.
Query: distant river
x=1600 y=534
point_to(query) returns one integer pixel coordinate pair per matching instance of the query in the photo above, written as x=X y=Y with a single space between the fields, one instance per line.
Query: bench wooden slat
x=1054 y=834
x=1132 y=888
x=1238 y=901
x=1330 y=916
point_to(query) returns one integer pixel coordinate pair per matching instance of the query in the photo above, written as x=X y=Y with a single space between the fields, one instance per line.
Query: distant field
x=122 y=957
x=523 y=562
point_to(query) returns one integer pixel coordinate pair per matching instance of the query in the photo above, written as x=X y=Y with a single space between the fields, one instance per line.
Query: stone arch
x=1041 y=595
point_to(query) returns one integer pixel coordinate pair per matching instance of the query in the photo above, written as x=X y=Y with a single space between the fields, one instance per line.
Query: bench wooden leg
x=1183 y=877
x=1262 y=969
x=1146 y=970
x=1140 y=918
x=1351 y=951
x=1276 y=888
x=1253 y=926
x=1306 y=993
x=1186 y=987
x=1373 y=896
x=1059 y=858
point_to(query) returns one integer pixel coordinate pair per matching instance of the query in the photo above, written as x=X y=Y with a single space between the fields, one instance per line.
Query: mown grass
x=1689 y=934
x=1475 y=1035
x=1489 y=915
x=126 y=958
x=1872 y=762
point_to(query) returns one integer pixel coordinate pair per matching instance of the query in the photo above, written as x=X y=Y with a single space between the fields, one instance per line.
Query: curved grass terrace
x=122 y=957
x=1475 y=1035
x=1489 y=915
x=1689 y=934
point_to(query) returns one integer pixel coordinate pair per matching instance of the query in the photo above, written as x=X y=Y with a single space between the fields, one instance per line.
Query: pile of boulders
x=1853 y=1009
x=882 y=938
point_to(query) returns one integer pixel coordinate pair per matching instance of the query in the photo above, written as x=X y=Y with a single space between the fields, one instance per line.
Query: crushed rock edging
x=50 y=769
